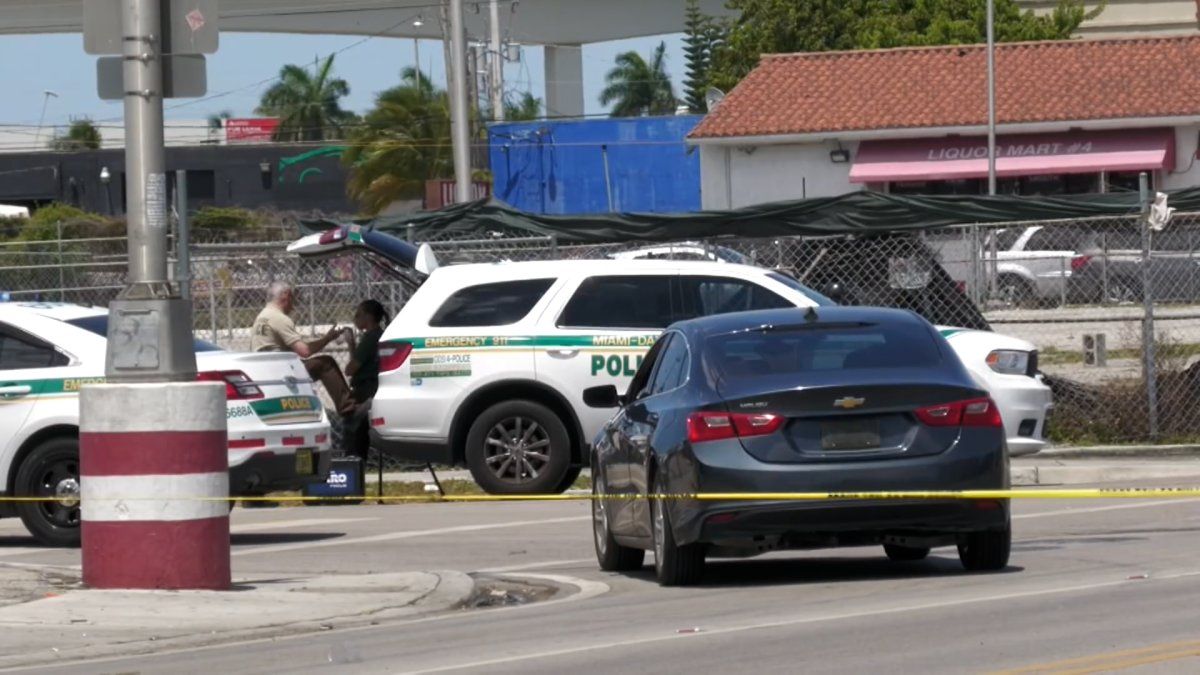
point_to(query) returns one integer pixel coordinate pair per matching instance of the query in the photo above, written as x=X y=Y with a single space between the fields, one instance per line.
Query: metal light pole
x=417 y=23
x=497 y=71
x=991 y=86
x=146 y=185
x=42 y=118
x=460 y=122
x=149 y=328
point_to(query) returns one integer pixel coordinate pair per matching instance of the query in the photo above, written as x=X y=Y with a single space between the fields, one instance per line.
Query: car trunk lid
x=275 y=385
x=866 y=415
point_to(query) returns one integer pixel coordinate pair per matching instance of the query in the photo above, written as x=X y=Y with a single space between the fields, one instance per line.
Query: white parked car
x=486 y=364
x=278 y=433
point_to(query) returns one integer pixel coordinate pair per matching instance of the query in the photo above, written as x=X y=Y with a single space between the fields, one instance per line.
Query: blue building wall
x=559 y=166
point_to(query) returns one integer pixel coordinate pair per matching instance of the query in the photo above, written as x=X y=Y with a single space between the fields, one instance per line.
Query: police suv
x=487 y=363
x=278 y=433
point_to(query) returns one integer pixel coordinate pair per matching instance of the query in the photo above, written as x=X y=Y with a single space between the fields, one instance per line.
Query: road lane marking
x=786 y=623
x=289 y=524
x=1099 y=509
x=536 y=566
x=1110 y=661
x=409 y=534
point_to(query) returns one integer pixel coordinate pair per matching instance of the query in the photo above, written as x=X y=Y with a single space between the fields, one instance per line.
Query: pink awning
x=951 y=158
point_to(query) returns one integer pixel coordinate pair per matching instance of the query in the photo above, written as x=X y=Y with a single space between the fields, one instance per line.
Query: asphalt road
x=1093 y=586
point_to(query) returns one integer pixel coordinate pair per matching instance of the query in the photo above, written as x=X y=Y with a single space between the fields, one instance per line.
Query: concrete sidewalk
x=48 y=618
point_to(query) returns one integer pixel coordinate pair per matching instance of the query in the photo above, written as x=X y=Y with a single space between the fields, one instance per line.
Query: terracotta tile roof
x=947 y=87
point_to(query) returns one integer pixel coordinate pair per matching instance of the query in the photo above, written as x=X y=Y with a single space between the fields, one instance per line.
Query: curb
x=1111 y=451
x=452 y=590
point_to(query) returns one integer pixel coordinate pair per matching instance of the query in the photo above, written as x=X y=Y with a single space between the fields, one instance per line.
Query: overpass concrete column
x=564 y=80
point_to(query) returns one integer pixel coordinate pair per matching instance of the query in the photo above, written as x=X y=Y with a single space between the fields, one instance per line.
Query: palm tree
x=404 y=141
x=83 y=135
x=636 y=87
x=307 y=104
x=527 y=107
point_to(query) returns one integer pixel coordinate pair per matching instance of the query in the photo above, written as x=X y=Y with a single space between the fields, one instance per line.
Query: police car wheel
x=518 y=447
x=51 y=470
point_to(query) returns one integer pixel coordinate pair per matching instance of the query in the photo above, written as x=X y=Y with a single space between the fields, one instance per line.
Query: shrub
x=224 y=218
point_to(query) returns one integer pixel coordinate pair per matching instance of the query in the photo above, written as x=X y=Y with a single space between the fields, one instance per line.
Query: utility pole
x=497 y=72
x=42 y=118
x=991 y=97
x=150 y=327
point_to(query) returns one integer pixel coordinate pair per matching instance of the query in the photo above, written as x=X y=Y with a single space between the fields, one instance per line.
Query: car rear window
x=795 y=350
x=99 y=325
x=499 y=304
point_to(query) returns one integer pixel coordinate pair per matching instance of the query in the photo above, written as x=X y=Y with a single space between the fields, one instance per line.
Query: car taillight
x=976 y=412
x=393 y=355
x=238 y=385
x=333 y=236
x=716 y=426
x=1079 y=262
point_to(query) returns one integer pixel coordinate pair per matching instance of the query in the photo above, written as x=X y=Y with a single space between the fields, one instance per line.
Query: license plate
x=304 y=462
x=850 y=435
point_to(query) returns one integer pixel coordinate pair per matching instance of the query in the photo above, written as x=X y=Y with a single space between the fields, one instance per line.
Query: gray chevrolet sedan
x=829 y=399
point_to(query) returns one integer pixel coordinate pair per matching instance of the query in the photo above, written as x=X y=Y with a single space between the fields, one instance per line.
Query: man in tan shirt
x=275 y=331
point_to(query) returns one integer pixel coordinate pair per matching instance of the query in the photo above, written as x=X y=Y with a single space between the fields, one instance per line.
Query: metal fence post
x=1062 y=275
x=1149 y=367
x=183 y=237
x=212 y=302
x=62 y=273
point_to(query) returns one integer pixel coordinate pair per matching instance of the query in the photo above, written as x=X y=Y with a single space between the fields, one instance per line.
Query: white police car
x=278 y=432
x=486 y=364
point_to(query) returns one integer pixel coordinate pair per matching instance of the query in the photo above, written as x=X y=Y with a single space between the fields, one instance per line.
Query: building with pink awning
x=1077 y=116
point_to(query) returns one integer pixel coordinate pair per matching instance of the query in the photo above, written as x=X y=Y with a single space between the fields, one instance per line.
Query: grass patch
x=1052 y=356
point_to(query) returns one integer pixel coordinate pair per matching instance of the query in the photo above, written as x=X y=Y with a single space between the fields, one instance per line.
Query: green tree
x=702 y=35
x=637 y=87
x=403 y=141
x=308 y=105
x=786 y=26
x=82 y=135
x=526 y=107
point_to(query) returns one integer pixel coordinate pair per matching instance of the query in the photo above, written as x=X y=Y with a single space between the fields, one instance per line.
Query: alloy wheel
x=517 y=450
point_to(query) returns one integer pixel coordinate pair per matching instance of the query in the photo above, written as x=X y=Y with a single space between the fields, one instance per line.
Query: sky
x=32 y=64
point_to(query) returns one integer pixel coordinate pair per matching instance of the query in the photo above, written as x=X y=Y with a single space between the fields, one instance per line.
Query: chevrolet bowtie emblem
x=849 y=402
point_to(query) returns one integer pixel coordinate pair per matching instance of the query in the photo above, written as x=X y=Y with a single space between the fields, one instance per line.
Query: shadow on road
x=803 y=570
x=264 y=538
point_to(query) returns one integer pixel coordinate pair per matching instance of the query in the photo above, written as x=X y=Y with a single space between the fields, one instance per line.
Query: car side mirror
x=604 y=396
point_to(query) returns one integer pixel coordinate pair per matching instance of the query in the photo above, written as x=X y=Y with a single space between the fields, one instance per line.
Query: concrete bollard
x=154 y=475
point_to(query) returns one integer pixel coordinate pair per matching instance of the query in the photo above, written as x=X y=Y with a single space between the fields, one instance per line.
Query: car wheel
x=612 y=556
x=905 y=553
x=1123 y=291
x=518 y=447
x=1015 y=291
x=673 y=564
x=51 y=470
x=986 y=551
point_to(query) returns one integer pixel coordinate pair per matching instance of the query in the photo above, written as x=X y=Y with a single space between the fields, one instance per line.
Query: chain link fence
x=1116 y=318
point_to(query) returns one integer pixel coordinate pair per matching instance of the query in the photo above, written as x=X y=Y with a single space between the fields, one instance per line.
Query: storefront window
x=1126 y=181
x=1025 y=186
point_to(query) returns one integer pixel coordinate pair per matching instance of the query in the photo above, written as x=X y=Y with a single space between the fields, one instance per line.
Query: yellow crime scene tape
x=1025 y=493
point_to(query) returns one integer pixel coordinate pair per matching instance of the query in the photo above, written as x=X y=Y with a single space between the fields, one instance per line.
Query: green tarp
x=854 y=213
